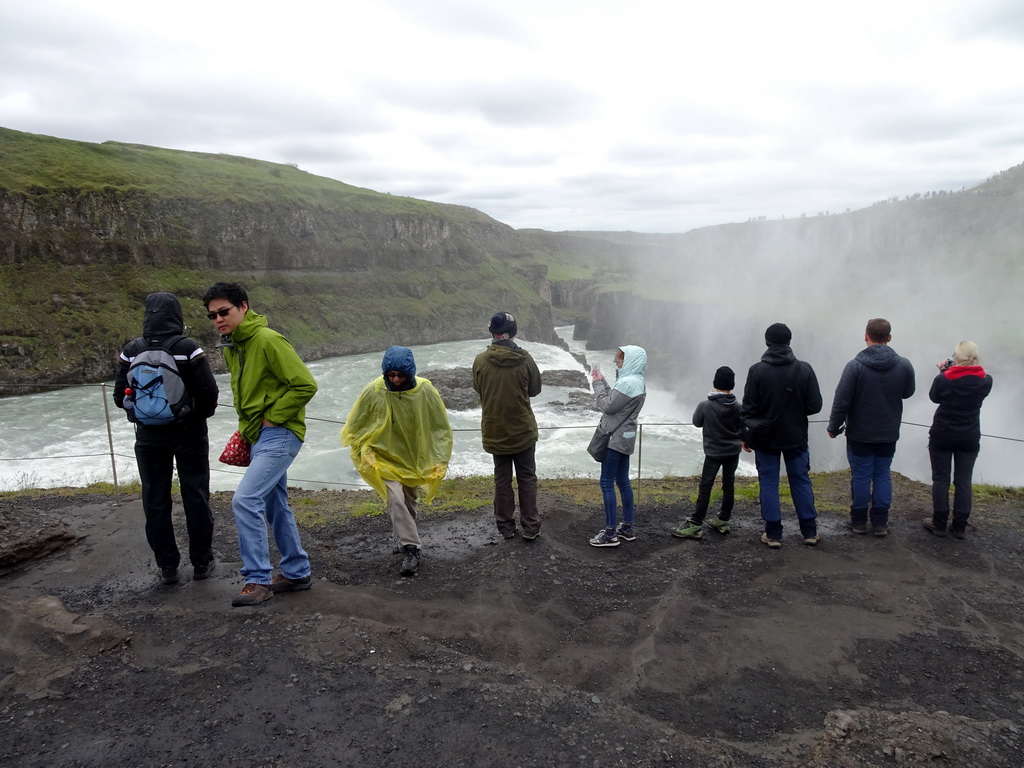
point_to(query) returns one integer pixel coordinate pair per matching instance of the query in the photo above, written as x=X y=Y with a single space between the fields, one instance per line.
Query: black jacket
x=164 y=319
x=959 y=391
x=784 y=387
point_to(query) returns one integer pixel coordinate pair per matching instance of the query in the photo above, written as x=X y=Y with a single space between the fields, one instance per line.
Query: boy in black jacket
x=719 y=418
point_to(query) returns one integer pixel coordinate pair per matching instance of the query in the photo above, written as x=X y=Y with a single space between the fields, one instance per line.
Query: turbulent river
x=60 y=438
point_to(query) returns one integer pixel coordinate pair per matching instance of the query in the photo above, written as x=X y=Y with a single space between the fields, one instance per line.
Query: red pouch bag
x=236 y=452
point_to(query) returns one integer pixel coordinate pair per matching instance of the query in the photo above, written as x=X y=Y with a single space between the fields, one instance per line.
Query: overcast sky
x=655 y=116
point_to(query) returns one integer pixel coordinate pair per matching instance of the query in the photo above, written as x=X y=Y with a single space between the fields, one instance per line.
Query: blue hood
x=399 y=359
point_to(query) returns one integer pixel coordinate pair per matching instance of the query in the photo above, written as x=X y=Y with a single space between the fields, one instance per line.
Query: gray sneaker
x=625 y=532
x=605 y=538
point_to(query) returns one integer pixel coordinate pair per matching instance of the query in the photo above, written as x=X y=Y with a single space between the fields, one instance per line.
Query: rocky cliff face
x=334 y=279
x=69 y=227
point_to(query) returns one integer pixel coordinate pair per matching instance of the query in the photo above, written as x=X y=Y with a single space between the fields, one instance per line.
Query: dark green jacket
x=506 y=377
x=268 y=380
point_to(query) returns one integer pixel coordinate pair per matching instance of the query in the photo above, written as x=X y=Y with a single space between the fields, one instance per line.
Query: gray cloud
x=518 y=103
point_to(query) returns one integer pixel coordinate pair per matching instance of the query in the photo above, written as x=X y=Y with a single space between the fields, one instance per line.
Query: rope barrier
x=556 y=481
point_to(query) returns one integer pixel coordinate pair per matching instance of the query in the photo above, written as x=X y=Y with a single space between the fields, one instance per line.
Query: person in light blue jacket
x=620 y=405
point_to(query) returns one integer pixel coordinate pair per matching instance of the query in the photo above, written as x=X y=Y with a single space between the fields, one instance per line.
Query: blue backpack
x=156 y=394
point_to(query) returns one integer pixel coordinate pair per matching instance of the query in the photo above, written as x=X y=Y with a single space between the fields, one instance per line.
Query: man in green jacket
x=270 y=386
x=506 y=377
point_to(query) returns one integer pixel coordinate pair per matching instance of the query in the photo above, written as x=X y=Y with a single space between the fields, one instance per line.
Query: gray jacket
x=615 y=406
x=719 y=419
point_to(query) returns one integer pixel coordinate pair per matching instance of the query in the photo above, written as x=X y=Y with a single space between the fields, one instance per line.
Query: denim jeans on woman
x=262 y=498
x=615 y=471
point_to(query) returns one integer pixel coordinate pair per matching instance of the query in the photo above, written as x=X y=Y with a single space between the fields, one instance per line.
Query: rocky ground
x=906 y=650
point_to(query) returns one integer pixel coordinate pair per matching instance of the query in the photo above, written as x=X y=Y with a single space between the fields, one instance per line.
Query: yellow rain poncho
x=403 y=436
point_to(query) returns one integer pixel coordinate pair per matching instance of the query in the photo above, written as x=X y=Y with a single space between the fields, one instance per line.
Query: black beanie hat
x=503 y=322
x=725 y=379
x=778 y=333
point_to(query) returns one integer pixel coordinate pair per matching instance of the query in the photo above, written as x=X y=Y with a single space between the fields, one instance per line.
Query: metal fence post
x=639 y=457
x=110 y=442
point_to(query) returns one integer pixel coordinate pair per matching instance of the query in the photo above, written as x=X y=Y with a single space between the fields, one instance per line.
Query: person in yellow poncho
x=401 y=441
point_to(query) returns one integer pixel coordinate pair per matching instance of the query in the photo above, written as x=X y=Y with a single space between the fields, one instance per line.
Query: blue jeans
x=261 y=498
x=870 y=481
x=798 y=466
x=615 y=471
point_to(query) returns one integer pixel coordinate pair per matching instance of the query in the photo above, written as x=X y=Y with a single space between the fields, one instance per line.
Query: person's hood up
x=778 y=354
x=878 y=357
x=399 y=359
x=163 y=316
x=629 y=379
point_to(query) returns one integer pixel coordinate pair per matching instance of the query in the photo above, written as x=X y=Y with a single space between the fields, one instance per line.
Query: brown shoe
x=252 y=594
x=283 y=584
x=773 y=543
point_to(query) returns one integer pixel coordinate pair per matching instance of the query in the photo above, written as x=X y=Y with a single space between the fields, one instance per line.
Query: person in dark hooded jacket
x=184 y=444
x=785 y=389
x=868 y=404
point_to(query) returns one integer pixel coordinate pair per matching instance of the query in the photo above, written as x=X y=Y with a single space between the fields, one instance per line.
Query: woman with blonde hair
x=955 y=436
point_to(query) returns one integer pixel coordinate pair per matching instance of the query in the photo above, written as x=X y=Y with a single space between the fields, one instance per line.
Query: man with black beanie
x=506 y=377
x=782 y=392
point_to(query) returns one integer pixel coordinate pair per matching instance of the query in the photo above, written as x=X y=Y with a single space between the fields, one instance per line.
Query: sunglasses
x=219 y=313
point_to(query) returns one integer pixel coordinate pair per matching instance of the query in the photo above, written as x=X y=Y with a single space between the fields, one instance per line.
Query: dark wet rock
x=456 y=385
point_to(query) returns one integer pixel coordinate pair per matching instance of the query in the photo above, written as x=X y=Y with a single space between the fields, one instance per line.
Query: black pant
x=525 y=464
x=712 y=464
x=961 y=455
x=157 y=450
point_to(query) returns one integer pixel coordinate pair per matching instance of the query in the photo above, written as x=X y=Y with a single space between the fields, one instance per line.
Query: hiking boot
x=411 y=563
x=508 y=536
x=530 y=536
x=810 y=541
x=168 y=576
x=880 y=530
x=200 y=572
x=772 y=543
x=958 y=534
x=606 y=538
x=252 y=594
x=720 y=525
x=282 y=583
x=625 y=532
x=859 y=528
x=689 y=530
x=931 y=527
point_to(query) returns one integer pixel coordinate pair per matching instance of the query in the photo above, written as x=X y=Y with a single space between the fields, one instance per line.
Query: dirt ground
x=863 y=651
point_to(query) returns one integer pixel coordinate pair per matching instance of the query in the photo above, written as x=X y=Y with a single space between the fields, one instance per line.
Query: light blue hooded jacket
x=621 y=404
